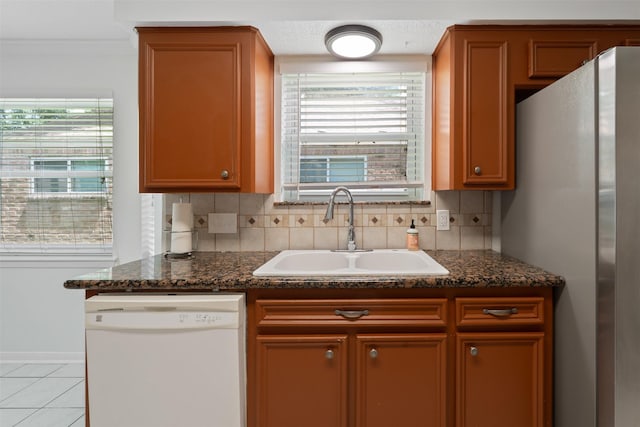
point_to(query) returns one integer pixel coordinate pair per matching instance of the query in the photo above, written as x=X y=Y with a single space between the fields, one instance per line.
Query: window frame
x=56 y=251
x=329 y=158
x=381 y=63
x=69 y=176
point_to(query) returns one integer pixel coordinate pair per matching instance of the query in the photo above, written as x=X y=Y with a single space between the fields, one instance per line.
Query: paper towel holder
x=169 y=235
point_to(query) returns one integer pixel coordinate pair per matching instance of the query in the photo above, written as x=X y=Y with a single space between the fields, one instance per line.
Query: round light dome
x=353 y=41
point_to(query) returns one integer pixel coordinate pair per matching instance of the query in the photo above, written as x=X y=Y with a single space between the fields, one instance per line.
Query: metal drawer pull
x=224 y=174
x=352 y=314
x=500 y=312
x=329 y=354
x=373 y=353
x=473 y=351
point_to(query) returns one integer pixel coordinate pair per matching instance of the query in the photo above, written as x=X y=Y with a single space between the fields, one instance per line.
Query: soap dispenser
x=412 y=237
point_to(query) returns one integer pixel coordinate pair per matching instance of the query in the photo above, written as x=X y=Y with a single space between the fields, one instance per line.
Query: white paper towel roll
x=181 y=217
x=181 y=228
x=181 y=242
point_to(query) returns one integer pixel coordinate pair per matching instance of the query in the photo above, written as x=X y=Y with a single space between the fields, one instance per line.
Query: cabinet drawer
x=430 y=312
x=525 y=311
x=551 y=59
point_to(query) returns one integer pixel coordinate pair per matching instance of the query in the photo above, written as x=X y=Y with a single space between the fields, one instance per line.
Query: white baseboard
x=41 y=357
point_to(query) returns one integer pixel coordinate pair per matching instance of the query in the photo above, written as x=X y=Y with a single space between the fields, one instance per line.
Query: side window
x=56 y=175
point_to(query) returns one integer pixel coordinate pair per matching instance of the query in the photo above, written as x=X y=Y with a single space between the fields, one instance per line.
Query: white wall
x=39 y=319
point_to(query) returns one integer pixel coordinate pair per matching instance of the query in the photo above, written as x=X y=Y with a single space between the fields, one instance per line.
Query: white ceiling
x=295 y=27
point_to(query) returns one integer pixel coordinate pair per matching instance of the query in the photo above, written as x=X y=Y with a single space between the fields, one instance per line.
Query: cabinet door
x=189 y=112
x=401 y=380
x=500 y=380
x=486 y=138
x=301 y=381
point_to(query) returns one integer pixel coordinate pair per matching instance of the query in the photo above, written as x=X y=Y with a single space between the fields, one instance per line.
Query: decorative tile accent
x=251 y=221
x=279 y=221
x=378 y=225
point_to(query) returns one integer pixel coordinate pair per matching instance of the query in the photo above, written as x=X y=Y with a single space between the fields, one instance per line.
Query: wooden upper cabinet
x=472 y=143
x=206 y=110
x=479 y=71
x=556 y=58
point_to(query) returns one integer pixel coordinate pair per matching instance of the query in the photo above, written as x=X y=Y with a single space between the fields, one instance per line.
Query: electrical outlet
x=442 y=220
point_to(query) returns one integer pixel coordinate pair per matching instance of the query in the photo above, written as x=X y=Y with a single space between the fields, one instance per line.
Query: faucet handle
x=351 y=245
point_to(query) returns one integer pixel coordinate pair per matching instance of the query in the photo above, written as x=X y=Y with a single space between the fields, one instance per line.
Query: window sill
x=66 y=260
x=362 y=203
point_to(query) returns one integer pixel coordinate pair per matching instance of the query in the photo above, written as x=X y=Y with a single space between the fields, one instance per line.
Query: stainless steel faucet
x=351 y=238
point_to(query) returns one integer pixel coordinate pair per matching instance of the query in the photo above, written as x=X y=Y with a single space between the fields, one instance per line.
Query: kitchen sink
x=377 y=262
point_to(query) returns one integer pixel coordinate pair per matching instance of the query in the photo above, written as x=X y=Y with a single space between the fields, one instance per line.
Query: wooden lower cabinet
x=463 y=358
x=401 y=380
x=500 y=379
x=302 y=381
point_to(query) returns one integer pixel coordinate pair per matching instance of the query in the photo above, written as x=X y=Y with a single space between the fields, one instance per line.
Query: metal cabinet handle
x=473 y=351
x=224 y=174
x=500 y=312
x=329 y=354
x=477 y=170
x=373 y=353
x=352 y=314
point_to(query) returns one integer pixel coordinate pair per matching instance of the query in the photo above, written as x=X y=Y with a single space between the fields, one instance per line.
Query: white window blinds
x=361 y=130
x=56 y=175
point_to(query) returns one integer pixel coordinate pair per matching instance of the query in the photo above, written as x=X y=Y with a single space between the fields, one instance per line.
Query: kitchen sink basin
x=377 y=262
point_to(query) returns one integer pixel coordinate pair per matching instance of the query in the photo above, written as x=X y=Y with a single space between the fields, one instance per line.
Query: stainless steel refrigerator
x=576 y=212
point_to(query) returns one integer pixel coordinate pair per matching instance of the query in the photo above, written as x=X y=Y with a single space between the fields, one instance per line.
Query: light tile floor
x=42 y=394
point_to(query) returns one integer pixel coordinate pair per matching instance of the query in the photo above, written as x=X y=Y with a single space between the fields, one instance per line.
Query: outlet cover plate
x=442 y=220
x=223 y=223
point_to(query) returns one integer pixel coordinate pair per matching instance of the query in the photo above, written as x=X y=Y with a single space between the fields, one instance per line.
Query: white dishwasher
x=161 y=360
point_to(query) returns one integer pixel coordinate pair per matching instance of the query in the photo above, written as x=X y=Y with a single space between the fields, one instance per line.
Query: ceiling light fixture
x=353 y=41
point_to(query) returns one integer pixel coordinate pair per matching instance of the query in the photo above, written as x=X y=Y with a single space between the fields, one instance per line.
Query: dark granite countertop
x=233 y=271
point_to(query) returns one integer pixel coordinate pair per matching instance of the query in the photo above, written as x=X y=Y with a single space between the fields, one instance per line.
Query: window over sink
x=358 y=124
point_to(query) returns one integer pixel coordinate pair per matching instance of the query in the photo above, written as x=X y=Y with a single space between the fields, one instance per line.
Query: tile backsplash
x=265 y=226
